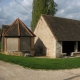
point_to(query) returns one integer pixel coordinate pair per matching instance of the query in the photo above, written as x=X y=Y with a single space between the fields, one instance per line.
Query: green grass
x=42 y=63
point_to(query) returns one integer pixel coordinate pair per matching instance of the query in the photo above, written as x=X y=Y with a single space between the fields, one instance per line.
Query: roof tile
x=63 y=29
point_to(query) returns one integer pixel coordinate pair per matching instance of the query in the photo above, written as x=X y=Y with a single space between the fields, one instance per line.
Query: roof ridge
x=27 y=28
x=63 y=29
x=17 y=23
x=10 y=27
x=59 y=17
x=18 y=26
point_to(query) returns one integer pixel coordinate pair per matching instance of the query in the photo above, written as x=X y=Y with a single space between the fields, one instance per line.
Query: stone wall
x=58 y=49
x=45 y=42
x=15 y=53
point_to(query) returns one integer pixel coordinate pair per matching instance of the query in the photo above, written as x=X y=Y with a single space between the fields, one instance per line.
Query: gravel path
x=14 y=72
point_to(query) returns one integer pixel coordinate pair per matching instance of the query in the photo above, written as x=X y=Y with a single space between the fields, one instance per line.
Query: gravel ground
x=15 y=72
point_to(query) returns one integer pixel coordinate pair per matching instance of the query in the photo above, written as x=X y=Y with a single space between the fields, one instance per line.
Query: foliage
x=42 y=63
x=42 y=7
x=0 y=46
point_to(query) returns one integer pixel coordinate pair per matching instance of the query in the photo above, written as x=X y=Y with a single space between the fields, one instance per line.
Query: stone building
x=17 y=37
x=56 y=36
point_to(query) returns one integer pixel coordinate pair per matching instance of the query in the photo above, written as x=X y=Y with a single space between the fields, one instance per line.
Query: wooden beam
x=19 y=44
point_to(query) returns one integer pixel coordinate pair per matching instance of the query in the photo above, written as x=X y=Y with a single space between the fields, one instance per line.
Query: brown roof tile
x=17 y=28
x=5 y=28
x=63 y=29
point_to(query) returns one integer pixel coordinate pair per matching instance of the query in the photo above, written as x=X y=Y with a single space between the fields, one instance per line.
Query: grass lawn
x=42 y=63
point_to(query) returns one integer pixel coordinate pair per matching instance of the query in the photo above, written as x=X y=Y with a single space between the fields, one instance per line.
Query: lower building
x=17 y=37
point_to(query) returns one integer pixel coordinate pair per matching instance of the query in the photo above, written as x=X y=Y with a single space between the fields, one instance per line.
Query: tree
x=42 y=7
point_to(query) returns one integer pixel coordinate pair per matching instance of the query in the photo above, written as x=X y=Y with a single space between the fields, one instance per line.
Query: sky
x=10 y=10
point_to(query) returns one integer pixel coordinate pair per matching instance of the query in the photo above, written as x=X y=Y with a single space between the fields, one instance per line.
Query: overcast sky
x=10 y=10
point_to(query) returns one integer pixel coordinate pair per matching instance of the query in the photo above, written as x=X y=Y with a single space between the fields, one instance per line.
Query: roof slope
x=5 y=28
x=17 y=28
x=63 y=29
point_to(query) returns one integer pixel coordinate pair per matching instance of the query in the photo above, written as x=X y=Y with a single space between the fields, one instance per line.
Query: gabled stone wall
x=45 y=42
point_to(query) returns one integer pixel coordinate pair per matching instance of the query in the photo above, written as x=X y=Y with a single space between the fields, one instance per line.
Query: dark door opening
x=68 y=47
x=79 y=46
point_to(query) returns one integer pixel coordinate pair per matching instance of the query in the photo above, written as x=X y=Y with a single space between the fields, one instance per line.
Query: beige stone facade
x=45 y=42
x=59 y=49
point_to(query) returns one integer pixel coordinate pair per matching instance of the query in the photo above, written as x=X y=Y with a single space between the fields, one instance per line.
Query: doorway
x=68 y=47
x=78 y=46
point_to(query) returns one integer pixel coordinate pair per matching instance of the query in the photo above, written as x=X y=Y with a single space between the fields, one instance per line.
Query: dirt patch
x=15 y=72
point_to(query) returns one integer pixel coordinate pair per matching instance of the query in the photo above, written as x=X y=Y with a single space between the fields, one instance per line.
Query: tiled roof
x=17 y=28
x=5 y=28
x=63 y=29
